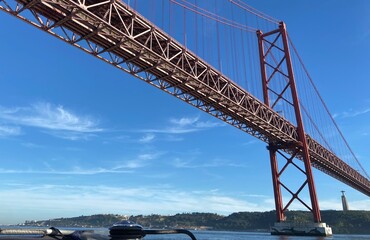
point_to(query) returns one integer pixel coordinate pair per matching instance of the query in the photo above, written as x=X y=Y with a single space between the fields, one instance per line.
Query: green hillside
x=350 y=222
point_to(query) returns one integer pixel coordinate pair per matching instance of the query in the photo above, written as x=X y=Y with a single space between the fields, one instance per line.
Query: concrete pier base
x=301 y=229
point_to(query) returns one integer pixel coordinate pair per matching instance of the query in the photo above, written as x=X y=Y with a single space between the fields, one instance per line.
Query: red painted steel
x=276 y=184
x=272 y=151
x=300 y=128
x=303 y=146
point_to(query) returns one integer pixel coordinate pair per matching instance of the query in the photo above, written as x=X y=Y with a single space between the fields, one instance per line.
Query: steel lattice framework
x=116 y=34
x=281 y=70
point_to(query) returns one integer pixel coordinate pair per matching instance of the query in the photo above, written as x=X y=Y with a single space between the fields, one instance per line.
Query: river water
x=216 y=235
x=219 y=235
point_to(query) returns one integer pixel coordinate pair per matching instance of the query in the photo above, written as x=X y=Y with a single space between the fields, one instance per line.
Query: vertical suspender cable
x=218 y=43
x=327 y=110
x=184 y=11
x=232 y=46
x=244 y=65
x=196 y=30
x=162 y=14
x=170 y=18
x=203 y=37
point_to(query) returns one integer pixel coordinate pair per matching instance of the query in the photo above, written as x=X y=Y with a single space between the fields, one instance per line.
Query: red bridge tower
x=276 y=65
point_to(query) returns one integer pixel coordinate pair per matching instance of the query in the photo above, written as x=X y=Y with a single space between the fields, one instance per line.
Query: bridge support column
x=276 y=183
x=301 y=229
x=274 y=52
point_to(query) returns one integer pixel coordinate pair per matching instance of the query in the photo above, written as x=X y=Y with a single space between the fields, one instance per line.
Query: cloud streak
x=185 y=125
x=6 y=131
x=351 y=113
x=56 y=120
x=143 y=160
x=147 y=138
x=73 y=171
x=47 y=116
x=125 y=166
x=41 y=202
x=45 y=201
x=180 y=163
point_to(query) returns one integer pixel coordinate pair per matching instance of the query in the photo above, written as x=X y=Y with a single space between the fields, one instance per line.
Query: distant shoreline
x=350 y=222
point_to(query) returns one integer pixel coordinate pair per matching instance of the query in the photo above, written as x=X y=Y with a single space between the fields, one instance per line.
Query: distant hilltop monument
x=344 y=202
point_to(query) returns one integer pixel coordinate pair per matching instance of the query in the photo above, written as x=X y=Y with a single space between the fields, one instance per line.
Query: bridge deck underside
x=118 y=35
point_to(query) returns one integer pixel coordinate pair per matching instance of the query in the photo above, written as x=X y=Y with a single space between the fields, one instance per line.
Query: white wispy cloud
x=251 y=142
x=45 y=201
x=48 y=116
x=173 y=138
x=124 y=166
x=51 y=201
x=257 y=196
x=351 y=113
x=6 y=131
x=147 y=138
x=183 y=122
x=132 y=164
x=149 y=156
x=182 y=163
x=142 y=160
x=32 y=145
x=71 y=135
x=56 y=119
x=185 y=125
x=72 y=171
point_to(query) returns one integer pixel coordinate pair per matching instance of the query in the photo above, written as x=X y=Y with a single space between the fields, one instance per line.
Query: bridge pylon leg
x=274 y=55
x=276 y=183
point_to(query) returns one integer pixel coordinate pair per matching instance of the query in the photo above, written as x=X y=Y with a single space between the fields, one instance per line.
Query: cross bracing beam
x=116 y=34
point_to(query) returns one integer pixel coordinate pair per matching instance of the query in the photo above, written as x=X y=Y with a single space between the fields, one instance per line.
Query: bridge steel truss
x=276 y=66
x=116 y=34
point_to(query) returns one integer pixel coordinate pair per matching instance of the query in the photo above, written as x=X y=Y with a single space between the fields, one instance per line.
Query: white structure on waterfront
x=344 y=202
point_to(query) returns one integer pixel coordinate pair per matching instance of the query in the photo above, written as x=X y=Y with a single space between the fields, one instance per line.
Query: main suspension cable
x=327 y=109
x=254 y=11
x=205 y=13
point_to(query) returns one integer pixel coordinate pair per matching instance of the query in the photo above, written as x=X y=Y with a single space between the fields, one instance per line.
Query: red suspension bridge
x=239 y=66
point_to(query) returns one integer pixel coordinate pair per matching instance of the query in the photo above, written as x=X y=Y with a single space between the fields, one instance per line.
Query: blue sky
x=79 y=137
